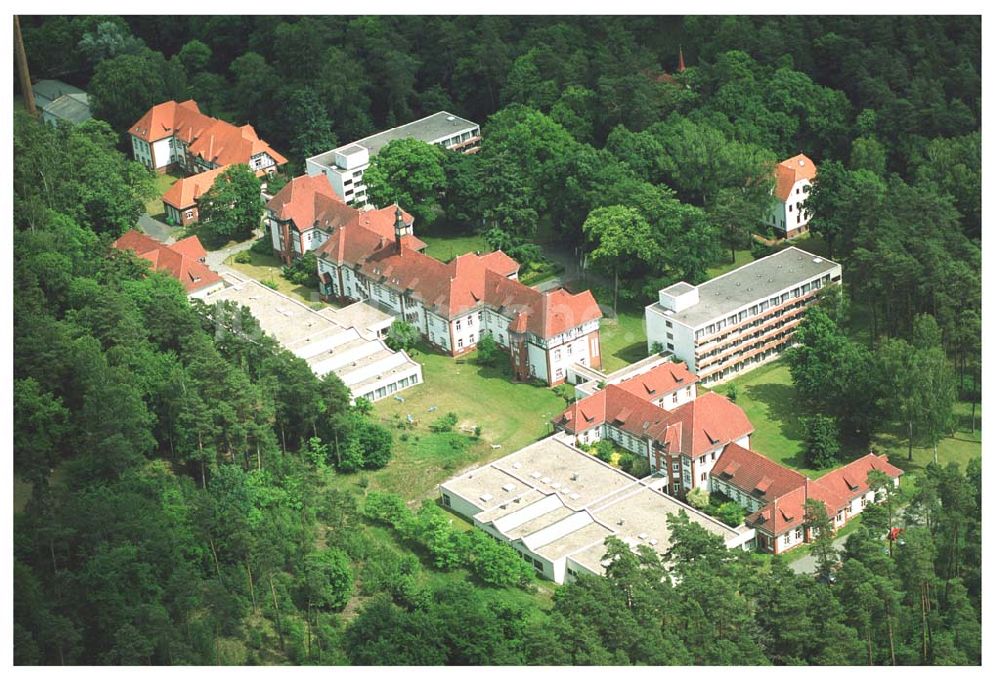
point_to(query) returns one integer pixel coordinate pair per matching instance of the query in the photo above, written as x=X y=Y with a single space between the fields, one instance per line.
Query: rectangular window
x=701 y=460
x=677 y=487
x=459 y=343
x=704 y=476
x=446 y=499
x=677 y=467
x=458 y=324
x=675 y=397
x=670 y=347
x=798 y=533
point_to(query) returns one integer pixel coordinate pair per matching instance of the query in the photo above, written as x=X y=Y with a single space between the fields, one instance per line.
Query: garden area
x=154 y=205
x=297 y=281
x=508 y=415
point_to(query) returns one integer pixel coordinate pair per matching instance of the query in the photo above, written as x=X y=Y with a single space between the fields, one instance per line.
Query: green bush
x=243 y=257
x=731 y=513
x=604 y=449
x=263 y=246
x=269 y=283
x=445 y=423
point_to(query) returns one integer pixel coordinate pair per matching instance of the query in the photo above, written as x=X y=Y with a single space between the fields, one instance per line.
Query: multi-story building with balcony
x=345 y=166
x=792 y=182
x=741 y=319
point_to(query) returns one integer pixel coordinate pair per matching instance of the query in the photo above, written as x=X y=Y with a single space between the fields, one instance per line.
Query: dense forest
x=184 y=506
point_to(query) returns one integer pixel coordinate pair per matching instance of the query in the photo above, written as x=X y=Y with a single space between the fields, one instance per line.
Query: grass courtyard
x=267 y=267
x=771 y=402
x=154 y=206
x=446 y=247
x=510 y=415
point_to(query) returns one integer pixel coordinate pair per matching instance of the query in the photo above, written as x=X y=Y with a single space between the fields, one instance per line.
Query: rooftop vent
x=516 y=465
x=557 y=485
x=509 y=487
x=643 y=536
x=802 y=162
x=452 y=118
x=486 y=497
x=817 y=259
x=536 y=475
x=546 y=481
x=574 y=476
x=518 y=499
x=621 y=522
x=652 y=541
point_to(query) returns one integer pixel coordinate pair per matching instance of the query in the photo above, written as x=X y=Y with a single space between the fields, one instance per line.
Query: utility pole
x=22 y=69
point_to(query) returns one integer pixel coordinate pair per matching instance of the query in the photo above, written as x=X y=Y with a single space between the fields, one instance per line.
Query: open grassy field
x=154 y=206
x=775 y=410
x=447 y=247
x=267 y=267
x=508 y=414
x=623 y=340
x=743 y=257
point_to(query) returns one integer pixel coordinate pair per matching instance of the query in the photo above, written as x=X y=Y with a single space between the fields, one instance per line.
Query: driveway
x=807 y=564
x=214 y=259
x=158 y=230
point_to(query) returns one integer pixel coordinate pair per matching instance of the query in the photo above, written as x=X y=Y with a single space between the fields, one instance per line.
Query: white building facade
x=741 y=319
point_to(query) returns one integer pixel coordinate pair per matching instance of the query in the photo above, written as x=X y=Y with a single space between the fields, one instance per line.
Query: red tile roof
x=184 y=193
x=214 y=140
x=309 y=201
x=181 y=261
x=661 y=380
x=755 y=474
x=452 y=288
x=791 y=171
x=704 y=424
x=846 y=483
x=707 y=422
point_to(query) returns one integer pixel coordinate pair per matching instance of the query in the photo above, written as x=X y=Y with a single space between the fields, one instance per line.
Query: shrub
x=698 y=498
x=731 y=513
x=402 y=336
x=243 y=257
x=487 y=351
x=269 y=283
x=732 y=393
x=657 y=347
x=388 y=508
x=445 y=423
x=263 y=246
x=302 y=271
x=604 y=449
x=635 y=465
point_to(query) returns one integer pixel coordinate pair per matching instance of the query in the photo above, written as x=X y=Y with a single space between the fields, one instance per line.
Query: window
x=704 y=476
x=538 y=564
x=789 y=208
x=701 y=460
x=670 y=347
x=675 y=397
x=690 y=389
x=189 y=214
x=458 y=324
x=677 y=487
x=788 y=537
x=459 y=343
x=469 y=320
x=480 y=316
x=798 y=533
x=669 y=324
x=471 y=340
x=677 y=467
x=670 y=335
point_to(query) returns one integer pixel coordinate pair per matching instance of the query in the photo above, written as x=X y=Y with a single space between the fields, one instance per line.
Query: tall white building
x=741 y=319
x=345 y=166
x=793 y=180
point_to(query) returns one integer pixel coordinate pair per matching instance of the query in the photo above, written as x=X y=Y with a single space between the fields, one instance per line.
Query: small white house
x=793 y=180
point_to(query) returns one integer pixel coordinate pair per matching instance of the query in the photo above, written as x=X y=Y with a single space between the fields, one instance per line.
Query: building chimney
x=400 y=229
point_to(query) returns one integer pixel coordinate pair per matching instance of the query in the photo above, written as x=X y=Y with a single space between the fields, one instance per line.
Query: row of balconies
x=747 y=322
x=744 y=339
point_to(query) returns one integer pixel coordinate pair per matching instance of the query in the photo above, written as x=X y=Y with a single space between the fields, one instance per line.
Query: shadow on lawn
x=632 y=353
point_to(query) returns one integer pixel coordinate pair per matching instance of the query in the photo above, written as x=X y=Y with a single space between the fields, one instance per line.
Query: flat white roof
x=429 y=129
x=342 y=341
x=529 y=495
x=743 y=286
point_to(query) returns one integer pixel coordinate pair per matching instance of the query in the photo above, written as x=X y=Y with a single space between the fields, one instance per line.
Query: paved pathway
x=214 y=259
x=573 y=272
x=158 y=230
x=807 y=564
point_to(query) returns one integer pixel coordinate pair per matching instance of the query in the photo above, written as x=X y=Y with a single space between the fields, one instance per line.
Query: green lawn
x=268 y=267
x=154 y=207
x=446 y=247
x=743 y=257
x=771 y=403
x=509 y=414
x=623 y=340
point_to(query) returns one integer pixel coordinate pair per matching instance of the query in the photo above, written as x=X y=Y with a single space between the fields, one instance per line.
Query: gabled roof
x=846 y=483
x=791 y=171
x=450 y=289
x=185 y=193
x=693 y=429
x=181 y=260
x=710 y=420
x=214 y=140
x=309 y=201
x=755 y=474
x=661 y=380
